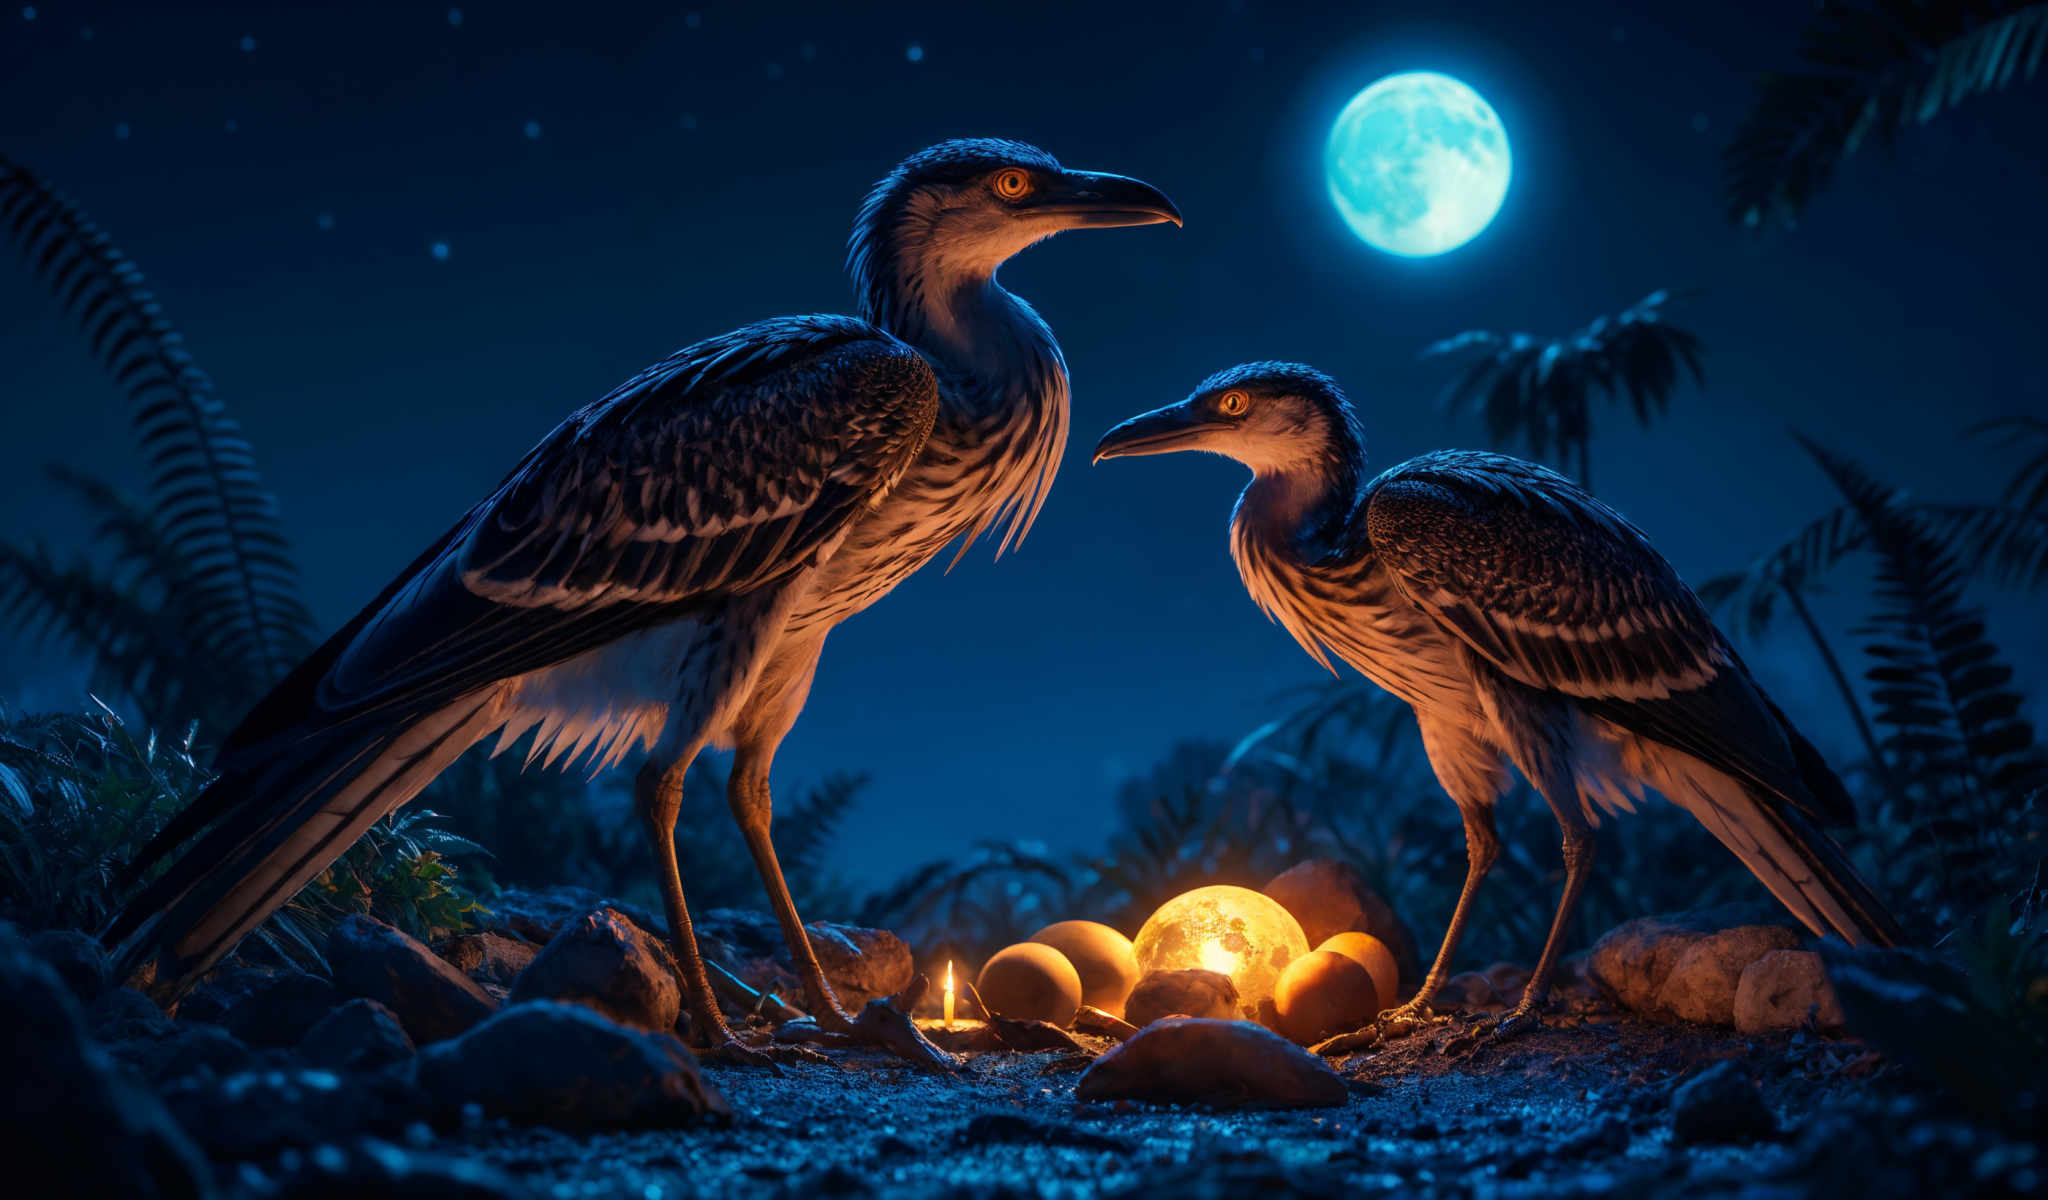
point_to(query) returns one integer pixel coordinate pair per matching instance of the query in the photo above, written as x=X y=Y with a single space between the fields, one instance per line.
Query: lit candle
x=949 y=994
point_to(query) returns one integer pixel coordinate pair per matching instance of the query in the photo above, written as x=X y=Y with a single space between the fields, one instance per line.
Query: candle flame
x=949 y=994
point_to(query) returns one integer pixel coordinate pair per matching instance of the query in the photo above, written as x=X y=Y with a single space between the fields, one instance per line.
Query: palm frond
x=1870 y=71
x=2006 y=545
x=2029 y=486
x=1539 y=391
x=209 y=501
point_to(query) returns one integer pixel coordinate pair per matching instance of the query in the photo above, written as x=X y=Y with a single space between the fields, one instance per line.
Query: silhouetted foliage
x=1954 y=730
x=209 y=543
x=1539 y=391
x=1870 y=70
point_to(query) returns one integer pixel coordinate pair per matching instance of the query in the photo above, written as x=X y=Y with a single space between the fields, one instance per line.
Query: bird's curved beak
x=1093 y=200
x=1161 y=431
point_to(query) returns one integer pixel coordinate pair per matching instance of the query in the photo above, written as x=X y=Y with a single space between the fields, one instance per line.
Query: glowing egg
x=1231 y=930
x=1030 y=982
x=1323 y=994
x=1372 y=954
x=1102 y=956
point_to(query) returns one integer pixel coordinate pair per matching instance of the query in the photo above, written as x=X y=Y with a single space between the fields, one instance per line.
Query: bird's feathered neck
x=1309 y=501
x=1001 y=372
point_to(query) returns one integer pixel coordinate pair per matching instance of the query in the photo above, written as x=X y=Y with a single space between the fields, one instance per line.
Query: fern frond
x=209 y=500
x=1871 y=70
x=2028 y=489
x=2006 y=545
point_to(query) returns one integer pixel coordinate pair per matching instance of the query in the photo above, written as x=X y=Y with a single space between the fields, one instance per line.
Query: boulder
x=544 y=1063
x=78 y=960
x=212 y=997
x=860 y=964
x=123 y=1012
x=536 y=915
x=361 y=1035
x=1720 y=1104
x=488 y=958
x=1192 y=1060
x=1632 y=962
x=603 y=961
x=71 y=1114
x=1329 y=897
x=256 y=1114
x=1189 y=993
x=177 y=1050
x=1510 y=980
x=1701 y=985
x=433 y=1000
x=1784 y=990
x=1468 y=991
x=281 y=1010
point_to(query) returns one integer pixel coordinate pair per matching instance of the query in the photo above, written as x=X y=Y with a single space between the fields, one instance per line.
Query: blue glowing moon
x=1418 y=164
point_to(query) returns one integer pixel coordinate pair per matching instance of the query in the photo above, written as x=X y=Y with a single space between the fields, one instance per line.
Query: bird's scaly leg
x=753 y=810
x=658 y=795
x=1482 y=848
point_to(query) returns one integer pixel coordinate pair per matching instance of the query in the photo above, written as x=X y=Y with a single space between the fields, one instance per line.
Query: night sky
x=606 y=183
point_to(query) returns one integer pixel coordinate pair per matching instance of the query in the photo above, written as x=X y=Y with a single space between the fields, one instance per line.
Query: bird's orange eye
x=1011 y=183
x=1233 y=402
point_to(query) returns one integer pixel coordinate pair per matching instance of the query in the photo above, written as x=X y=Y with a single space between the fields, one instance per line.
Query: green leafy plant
x=1870 y=72
x=1539 y=391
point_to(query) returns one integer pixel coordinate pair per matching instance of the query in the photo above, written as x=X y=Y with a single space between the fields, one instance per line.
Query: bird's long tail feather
x=1781 y=846
x=283 y=820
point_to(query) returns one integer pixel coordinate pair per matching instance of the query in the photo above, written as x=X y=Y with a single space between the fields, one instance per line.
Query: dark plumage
x=1525 y=622
x=663 y=568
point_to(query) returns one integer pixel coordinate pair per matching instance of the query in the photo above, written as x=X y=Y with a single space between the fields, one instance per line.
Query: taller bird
x=1525 y=622
x=662 y=570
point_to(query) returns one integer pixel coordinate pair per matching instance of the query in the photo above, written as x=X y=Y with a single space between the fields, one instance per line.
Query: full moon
x=1418 y=164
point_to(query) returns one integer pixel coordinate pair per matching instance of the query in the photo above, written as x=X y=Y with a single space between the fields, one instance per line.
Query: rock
x=1701 y=985
x=123 y=1012
x=368 y=1167
x=860 y=964
x=255 y=1114
x=1101 y=956
x=1330 y=897
x=1720 y=1104
x=1468 y=991
x=1324 y=993
x=563 y=1065
x=1632 y=961
x=214 y=995
x=536 y=915
x=1509 y=980
x=1031 y=982
x=1225 y=1063
x=177 y=1050
x=1783 y=990
x=71 y=1117
x=1017 y=1129
x=281 y=1011
x=433 y=1000
x=361 y=1035
x=488 y=958
x=78 y=960
x=605 y=962
x=1190 y=993
x=1372 y=954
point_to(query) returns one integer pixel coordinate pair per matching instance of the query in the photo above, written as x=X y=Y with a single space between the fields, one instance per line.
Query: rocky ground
x=539 y=1060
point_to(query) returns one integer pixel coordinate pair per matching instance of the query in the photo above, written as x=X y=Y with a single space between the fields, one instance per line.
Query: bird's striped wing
x=726 y=467
x=1561 y=593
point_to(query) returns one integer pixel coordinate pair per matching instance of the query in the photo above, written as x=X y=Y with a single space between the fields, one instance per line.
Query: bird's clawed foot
x=1410 y=1018
x=1492 y=1031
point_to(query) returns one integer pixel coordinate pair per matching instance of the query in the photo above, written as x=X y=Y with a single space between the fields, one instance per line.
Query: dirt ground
x=1580 y=1110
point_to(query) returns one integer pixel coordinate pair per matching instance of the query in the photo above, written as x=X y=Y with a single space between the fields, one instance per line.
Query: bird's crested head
x=950 y=214
x=1274 y=417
